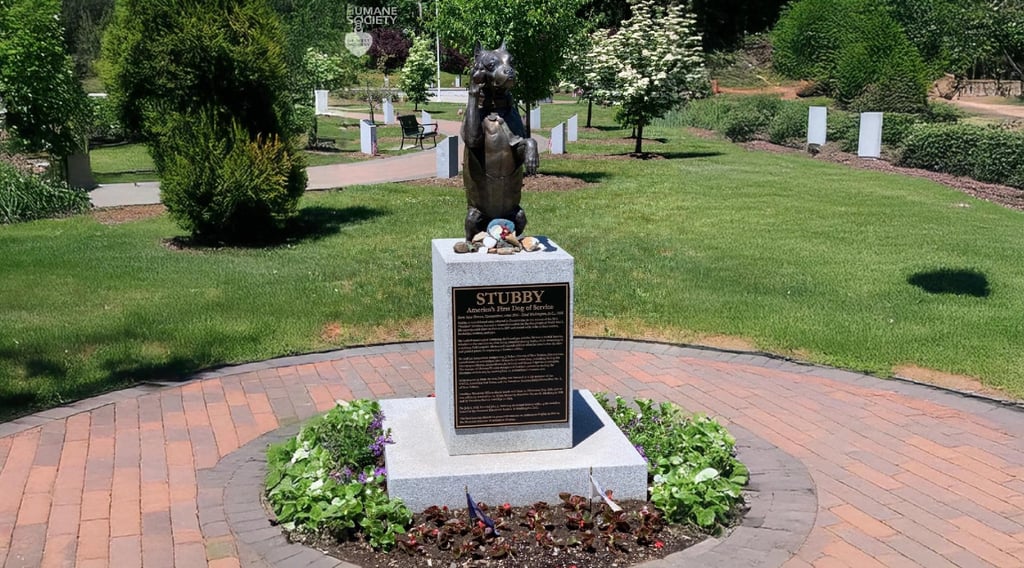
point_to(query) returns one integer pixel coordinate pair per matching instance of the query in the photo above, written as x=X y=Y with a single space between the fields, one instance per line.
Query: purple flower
x=377 y=424
x=377 y=447
x=362 y=477
x=344 y=475
x=380 y=471
x=640 y=450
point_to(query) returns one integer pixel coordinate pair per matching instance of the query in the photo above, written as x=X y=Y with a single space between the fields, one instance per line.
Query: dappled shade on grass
x=961 y=282
x=311 y=224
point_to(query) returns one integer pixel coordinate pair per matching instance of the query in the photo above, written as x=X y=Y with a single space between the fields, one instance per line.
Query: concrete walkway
x=865 y=472
x=407 y=167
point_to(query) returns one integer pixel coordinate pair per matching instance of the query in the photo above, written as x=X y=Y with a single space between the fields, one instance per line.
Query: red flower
x=658 y=544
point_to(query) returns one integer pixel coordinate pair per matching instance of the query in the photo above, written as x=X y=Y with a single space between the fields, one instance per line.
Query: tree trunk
x=590 y=110
x=639 y=138
x=526 y=123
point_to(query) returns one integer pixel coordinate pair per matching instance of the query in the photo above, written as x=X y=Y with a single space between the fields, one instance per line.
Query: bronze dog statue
x=497 y=150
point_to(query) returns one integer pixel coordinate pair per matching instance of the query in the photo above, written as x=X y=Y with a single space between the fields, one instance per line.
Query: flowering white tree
x=653 y=64
x=418 y=71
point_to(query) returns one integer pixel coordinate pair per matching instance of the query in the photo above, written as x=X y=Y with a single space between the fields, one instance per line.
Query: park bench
x=412 y=129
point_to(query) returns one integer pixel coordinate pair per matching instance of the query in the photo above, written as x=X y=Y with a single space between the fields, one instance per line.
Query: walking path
x=407 y=167
x=865 y=472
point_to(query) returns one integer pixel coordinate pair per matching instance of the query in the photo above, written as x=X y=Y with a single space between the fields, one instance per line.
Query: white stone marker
x=573 y=126
x=458 y=80
x=870 y=144
x=447 y=153
x=535 y=117
x=427 y=119
x=558 y=139
x=389 y=112
x=817 y=125
x=320 y=96
x=367 y=137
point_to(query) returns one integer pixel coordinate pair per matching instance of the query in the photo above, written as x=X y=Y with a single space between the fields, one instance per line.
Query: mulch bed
x=127 y=213
x=517 y=546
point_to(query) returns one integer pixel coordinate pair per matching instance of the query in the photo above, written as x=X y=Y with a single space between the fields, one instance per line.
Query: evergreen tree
x=204 y=82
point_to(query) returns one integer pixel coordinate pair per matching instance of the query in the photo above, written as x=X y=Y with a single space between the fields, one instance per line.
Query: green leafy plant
x=418 y=71
x=986 y=154
x=25 y=196
x=330 y=477
x=695 y=476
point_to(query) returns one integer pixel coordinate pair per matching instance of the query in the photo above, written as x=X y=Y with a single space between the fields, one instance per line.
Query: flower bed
x=327 y=487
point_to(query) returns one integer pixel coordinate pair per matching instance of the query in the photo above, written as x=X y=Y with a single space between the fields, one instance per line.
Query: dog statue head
x=493 y=70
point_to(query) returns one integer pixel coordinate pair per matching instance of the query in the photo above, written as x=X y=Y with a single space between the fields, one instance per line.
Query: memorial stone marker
x=870 y=142
x=558 y=135
x=320 y=100
x=389 y=111
x=448 y=157
x=367 y=137
x=817 y=125
x=573 y=125
x=426 y=119
x=535 y=117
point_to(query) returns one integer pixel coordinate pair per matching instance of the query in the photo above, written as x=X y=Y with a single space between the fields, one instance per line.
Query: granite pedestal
x=551 y=266
x=421 y=472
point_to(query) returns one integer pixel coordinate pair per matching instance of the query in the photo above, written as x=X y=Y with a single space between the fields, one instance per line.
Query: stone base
x=421 y=472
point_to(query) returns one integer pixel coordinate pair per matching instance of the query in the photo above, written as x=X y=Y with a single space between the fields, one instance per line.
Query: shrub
x=389 y=50
x=709 y=114
x=942 y=112
x=942 y=148
x=843 y=129
x=206 y=85
x=985 y=154
x=789 y=125
x=24 y=196
x=223 y=186
x=856 y=50
x=896 y=127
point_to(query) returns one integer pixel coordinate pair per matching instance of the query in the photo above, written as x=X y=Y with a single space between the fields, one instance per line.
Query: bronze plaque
x=511 y=355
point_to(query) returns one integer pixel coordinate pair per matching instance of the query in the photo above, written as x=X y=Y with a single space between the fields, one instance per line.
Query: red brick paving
x=904 y=478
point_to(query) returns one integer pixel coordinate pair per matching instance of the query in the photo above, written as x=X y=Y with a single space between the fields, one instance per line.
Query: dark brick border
x=781 y=496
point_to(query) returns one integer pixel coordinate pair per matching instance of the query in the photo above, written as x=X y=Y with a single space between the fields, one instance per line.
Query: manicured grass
x=129 y=163
x=799 y=257
x=122 y=164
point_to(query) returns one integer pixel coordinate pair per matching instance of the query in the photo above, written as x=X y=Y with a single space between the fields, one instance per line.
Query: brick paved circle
x=780 y=496
x=905 y=475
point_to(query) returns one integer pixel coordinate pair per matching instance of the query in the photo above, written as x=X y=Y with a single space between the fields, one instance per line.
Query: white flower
x=299 y=455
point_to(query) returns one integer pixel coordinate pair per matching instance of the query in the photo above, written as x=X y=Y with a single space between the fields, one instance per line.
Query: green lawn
x=122 y=164
x=797 y=256
x=128 y=163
